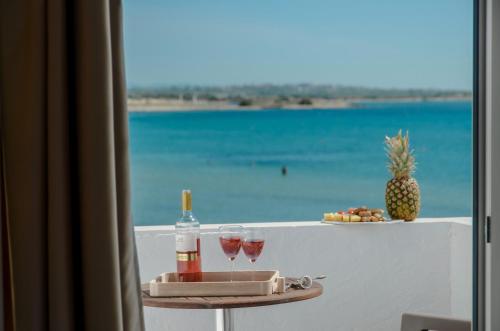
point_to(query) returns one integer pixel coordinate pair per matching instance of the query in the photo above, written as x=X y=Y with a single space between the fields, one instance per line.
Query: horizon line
x=215 y=85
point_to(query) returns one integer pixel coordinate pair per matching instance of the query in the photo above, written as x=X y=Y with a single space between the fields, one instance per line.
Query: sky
x=383 y=43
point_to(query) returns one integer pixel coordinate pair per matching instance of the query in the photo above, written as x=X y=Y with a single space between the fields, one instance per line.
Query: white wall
x=375 y=272
x=461 y=268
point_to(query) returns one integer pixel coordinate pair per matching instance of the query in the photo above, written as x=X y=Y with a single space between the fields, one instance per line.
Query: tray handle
x=280 y=286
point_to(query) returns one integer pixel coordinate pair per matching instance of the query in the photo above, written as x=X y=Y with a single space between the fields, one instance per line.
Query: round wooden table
x=223 y=305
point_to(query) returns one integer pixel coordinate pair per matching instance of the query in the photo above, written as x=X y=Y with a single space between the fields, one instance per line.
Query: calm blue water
x=335 y=158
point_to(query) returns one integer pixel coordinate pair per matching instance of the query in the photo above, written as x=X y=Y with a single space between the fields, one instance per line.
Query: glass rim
x=232 y=231
x=253 y=233
x=229 y=227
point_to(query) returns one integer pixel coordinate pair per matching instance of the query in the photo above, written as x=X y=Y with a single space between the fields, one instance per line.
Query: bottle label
x=186 y=256
x=186 y=242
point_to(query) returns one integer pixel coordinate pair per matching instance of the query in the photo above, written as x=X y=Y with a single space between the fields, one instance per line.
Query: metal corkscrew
x=304 y=282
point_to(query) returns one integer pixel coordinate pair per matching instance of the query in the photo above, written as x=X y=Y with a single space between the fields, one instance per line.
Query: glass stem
x=232 y=270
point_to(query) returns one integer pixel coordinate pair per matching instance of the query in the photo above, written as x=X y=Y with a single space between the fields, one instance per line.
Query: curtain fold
x=66 y=169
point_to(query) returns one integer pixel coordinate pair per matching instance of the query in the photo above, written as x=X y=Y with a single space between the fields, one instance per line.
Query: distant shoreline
x=172 y=105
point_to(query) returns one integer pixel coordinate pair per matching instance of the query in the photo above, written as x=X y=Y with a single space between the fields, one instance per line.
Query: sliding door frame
x=486 y=187
x=492 y=186
x=479 y=164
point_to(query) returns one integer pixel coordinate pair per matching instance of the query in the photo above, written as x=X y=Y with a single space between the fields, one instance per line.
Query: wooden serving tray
x=217 y=284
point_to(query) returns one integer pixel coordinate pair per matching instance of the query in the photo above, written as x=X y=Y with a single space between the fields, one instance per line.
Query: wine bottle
x=187 y=242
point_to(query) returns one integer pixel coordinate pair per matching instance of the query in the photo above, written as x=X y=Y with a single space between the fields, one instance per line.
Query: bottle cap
x=186 y=200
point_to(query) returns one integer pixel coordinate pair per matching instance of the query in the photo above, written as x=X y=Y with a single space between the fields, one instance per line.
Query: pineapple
x=402 y=194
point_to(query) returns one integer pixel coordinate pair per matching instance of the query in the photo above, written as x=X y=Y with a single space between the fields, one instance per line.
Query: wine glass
x=230 y=238
x=253 y=243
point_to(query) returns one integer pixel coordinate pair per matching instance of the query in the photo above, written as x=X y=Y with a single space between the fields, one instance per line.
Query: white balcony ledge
x=375 y=272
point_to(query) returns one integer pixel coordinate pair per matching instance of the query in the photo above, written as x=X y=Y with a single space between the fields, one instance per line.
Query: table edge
x=314 y=292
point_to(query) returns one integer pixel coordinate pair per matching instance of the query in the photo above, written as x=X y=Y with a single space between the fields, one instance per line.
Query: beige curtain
x=65 y=168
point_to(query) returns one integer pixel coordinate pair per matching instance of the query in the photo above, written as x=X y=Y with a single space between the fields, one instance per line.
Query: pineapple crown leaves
x=401 y=159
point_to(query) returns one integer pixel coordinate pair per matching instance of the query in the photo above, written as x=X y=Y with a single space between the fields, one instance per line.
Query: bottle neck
x=187 y=214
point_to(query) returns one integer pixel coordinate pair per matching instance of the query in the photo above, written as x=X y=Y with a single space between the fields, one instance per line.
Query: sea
x=234 y=161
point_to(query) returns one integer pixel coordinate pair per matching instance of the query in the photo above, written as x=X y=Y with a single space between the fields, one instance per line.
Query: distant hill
x=284 y=91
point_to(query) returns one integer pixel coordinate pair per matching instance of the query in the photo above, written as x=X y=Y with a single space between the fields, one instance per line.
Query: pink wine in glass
x=252 y=248
x=231 y=246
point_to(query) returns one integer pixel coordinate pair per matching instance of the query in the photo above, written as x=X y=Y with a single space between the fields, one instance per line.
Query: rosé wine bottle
x=187 y=243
